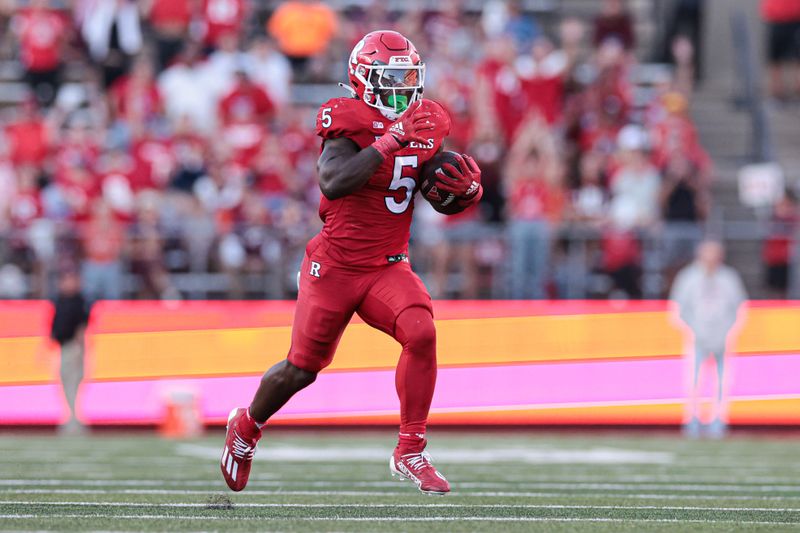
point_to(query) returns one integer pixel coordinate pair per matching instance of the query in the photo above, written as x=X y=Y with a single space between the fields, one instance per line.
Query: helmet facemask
x=392 y=88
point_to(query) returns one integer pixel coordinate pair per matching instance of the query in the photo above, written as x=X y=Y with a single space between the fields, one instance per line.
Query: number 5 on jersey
x=399 y=181
x=325 y=117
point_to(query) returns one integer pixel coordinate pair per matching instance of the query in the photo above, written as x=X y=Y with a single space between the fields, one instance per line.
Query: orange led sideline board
x=500 y=362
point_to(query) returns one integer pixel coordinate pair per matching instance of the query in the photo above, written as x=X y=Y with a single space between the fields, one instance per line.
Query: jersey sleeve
x=338 y=118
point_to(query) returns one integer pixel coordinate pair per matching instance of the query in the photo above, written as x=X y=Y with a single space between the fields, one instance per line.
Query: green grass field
x=332 y=481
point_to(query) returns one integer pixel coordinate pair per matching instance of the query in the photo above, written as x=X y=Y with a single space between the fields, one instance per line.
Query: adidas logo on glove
x=397 y=127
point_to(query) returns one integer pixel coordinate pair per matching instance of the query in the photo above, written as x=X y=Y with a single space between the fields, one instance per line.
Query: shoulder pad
x=341 y=117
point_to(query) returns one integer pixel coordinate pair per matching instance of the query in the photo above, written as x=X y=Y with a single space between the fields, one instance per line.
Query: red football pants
x=390 y=298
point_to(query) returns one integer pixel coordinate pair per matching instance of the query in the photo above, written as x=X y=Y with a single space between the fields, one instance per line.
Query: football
x=442 y=201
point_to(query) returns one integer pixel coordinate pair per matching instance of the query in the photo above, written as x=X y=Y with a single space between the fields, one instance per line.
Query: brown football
x=442 y=201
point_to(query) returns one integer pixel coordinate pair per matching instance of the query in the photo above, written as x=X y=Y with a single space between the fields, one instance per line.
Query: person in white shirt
x=636 y=184
x=186 y=90
x=270 y=69
x=708 y=295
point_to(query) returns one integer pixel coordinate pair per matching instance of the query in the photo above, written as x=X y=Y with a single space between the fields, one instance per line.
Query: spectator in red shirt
x=101 y=271
x=542 y=74
x=134 y=98
x=154 y=162
x=41 y=32
x=246 y=102
x=221 y=17
x=779 y=245
x=28 y=137
x=535 y=200
x=77 y=187
x=244 y=113
x=676 y=133
x=498 y=92
x=170 y=20
x=272 y=170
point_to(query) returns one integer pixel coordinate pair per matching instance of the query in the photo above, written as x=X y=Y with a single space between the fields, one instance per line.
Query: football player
x=374 y=144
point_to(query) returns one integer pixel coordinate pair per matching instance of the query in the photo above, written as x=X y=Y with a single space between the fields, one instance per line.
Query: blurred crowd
x=169 y=137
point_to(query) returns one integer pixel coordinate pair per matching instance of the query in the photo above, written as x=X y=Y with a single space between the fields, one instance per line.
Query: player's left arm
x=464 y=181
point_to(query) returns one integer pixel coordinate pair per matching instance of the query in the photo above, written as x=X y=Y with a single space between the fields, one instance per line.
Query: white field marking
x=413 y=505
x=309 y=454
x=700 y=487
x=281 y=483
x=483 y=494
x=399 y=519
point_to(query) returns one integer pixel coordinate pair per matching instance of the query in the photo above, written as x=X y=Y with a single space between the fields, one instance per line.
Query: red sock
x=415 y=378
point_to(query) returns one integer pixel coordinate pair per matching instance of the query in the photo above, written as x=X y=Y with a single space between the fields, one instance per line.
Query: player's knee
x=300 y=376
x=291 y=375
x=416 y=331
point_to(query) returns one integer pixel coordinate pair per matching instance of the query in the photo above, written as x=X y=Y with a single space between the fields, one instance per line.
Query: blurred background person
x=633 y=209
x=779 y=246
x=170 y=21
x=302 y=30
x=783 y=47
x=200 y=100
x=101 y=270
x=708 y=295
x=42 y=32
x=112 y=31
x=614 y=23
x=67 y=330
x=533 y=176
x=684 y=206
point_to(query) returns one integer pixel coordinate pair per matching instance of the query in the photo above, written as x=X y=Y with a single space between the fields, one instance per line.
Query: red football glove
x=464 y=182
x=413 y=126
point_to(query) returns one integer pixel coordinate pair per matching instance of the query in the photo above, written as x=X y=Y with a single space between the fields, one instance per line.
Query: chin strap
x=348 y=88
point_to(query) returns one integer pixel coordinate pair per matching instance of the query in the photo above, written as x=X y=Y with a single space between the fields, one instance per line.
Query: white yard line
x=572 y=485
x=401 y=519
x=521 y=454
x=412 y=505
x=410 y=492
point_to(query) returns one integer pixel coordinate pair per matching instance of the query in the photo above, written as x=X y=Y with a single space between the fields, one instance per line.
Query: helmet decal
x=354 y=54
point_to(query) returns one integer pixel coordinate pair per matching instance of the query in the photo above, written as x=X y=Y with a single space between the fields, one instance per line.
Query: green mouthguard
x=399 y=102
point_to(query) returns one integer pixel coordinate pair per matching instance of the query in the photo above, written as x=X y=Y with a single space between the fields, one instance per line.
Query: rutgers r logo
x=315 y=269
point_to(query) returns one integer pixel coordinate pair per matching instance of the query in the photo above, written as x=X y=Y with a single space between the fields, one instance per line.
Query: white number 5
x=401 y=182
x=326 y=117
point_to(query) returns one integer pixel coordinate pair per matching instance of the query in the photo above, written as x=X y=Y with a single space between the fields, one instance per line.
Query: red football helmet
x=386 y=72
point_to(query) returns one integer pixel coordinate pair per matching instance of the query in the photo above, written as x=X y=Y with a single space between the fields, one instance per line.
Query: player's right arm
x=343 y=168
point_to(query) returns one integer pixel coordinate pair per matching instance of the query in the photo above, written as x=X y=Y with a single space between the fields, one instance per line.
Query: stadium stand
x=186 y=169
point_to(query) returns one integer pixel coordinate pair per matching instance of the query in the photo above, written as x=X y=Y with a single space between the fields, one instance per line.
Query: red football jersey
x=40 y=34
x=371 y=226
x=221 y=17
